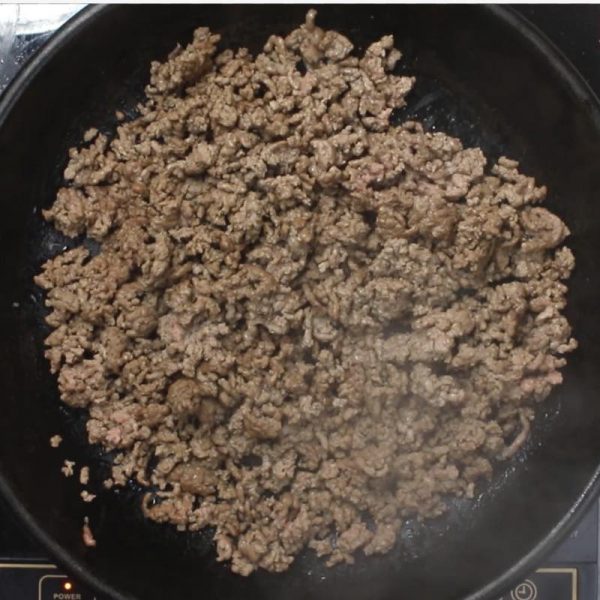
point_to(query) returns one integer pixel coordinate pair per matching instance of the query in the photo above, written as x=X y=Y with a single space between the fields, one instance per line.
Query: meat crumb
x=87 y=496
x=90 y=134
x=84 y=475
x=67 y=468
x=519 y=440
x=87 y=535
x=55 y=441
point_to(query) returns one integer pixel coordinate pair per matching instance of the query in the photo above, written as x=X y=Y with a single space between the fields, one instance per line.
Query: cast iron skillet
x=483 y=75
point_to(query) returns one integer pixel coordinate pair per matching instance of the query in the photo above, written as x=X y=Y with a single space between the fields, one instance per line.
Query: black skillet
x=483 y=75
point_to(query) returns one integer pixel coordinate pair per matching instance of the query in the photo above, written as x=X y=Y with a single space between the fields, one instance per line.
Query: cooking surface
x=570 y=573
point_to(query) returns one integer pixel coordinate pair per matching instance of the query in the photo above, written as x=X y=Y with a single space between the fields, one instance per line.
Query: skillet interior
x=479 y=78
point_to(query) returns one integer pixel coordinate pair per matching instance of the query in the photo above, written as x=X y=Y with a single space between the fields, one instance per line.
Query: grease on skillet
x=303 y=325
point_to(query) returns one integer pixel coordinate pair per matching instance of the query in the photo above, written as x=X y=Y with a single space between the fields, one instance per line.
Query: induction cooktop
x=27 y=573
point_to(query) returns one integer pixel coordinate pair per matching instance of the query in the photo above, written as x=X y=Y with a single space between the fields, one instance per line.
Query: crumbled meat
x=87 y=535
x=87 y=496
x=90 y=134
x=84 y=475
x=67 y=468
x=55 y=441
x=520 y=438
x=303 y=325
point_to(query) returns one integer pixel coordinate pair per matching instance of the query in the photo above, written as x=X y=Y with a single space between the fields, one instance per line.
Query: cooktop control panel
x=44 y=581
x=564 y=582
x=31 y=580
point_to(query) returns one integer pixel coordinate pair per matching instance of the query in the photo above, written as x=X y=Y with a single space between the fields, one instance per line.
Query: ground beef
x=84 y=475
x=303 y=325
x=86 y=534
x=86 y=496
x=67 y=468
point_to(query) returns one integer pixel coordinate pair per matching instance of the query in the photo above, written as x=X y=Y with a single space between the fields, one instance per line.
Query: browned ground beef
x=315 y=324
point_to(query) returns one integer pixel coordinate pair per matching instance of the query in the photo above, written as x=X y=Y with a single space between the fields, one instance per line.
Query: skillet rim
x=575 y=82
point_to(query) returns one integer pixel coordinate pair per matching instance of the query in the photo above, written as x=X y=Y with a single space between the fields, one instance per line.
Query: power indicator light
x=67 y=586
